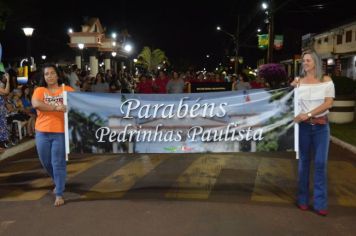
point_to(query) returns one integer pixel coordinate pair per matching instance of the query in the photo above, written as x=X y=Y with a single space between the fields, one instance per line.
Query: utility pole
x=270 y=33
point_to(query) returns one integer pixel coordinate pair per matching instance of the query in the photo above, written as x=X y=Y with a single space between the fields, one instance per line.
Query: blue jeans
x=51 y=151
x=313 y=139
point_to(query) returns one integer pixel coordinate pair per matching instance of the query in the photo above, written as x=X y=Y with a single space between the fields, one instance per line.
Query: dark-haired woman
x=48 y=101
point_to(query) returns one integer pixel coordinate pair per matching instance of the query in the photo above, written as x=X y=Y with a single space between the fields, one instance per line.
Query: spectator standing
x=4 y=90
x=175 y=84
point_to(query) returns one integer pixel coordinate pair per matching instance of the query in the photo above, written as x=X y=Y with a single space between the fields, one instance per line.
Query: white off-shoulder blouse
x=310 y=96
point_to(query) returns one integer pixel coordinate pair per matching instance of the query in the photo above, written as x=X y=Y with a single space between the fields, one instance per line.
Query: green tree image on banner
x=262 y=41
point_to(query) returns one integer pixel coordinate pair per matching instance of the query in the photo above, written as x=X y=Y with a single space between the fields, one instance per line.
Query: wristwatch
x=309 y=114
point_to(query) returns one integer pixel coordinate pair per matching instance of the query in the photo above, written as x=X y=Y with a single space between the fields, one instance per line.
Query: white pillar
x=236 y=146
x=115 y=147
x=131 y=147
x=93 y=62
x=78 y=61
x=107 y=65
x=253 y=146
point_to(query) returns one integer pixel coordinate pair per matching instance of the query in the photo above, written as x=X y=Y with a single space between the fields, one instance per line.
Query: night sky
x=185 y=30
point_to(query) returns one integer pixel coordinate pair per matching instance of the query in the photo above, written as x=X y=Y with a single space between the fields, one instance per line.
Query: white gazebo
x=93 y=38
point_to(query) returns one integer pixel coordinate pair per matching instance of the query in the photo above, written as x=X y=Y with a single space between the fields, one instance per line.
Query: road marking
x=39 y=187
x=198 y=180
x=5 y=224
x=342 y=182
x=19 y=167
x=122 y=180
x=275 y=181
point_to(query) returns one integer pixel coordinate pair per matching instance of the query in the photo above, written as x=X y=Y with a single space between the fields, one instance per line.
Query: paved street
x=198 y=194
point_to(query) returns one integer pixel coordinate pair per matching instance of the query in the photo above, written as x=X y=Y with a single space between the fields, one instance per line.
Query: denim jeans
x=51 y=151
x=313 y=139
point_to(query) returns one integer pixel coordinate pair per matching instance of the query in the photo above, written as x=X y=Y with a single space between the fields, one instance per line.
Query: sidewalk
x=343 y=144
x=25 y=145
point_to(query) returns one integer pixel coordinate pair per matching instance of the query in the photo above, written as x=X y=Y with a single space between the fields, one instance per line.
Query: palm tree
x=152 y=59
x=82 y=128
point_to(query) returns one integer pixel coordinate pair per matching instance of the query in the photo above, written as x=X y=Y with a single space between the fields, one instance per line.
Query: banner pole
x=296 y=126
x=66 y=133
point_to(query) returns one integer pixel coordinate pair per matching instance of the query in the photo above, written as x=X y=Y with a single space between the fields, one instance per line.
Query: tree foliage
x=151 y=59
x=83 y=128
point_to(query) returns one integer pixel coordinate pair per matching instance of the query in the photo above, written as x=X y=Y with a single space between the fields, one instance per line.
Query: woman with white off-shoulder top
x=315 y=98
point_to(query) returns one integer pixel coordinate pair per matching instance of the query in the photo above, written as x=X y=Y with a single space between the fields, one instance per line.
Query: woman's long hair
x=317 y=63
x=43 y=82
x=24 y=95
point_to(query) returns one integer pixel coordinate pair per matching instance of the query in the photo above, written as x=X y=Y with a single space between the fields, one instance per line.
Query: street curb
x=17 y=149
x=343 y=144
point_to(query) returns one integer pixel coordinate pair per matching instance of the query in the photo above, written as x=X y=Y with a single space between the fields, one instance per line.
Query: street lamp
x=235 y=39
x=28 y=31
x=43 y=57
x=264 y=6
x=81 y=46
x=128 y=48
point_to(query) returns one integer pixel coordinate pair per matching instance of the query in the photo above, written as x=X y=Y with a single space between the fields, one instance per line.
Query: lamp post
x=128 y=48
x=235 y=39
x=28 y=31
x=270 y=18
x=114 y=62
x=81 y=47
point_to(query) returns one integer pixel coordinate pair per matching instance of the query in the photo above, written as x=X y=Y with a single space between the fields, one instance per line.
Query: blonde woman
x=316 y=93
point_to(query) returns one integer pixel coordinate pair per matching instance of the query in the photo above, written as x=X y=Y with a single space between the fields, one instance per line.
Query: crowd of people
x=17 y=110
